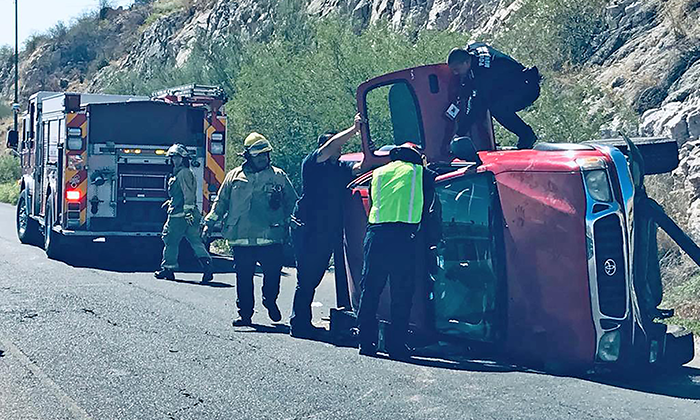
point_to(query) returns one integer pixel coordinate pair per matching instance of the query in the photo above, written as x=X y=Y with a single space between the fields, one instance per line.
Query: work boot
x=273 y=312
x=208 y=273
x=527 y=141
x=402 y=352
x=307 y=331
x=164 y=274
x=242 y=322
x=368 y=349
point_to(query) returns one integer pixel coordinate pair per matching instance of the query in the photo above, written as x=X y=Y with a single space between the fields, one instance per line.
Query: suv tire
x=680 y=348
x=660 y=154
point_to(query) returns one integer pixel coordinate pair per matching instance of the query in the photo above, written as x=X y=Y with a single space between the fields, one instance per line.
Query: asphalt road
x=108 y=342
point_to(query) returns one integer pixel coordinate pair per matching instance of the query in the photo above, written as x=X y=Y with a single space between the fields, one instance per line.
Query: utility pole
x=15 y=105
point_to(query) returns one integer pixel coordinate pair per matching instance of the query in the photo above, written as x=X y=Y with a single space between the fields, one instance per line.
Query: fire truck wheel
x=28 y=229
x=52 y=238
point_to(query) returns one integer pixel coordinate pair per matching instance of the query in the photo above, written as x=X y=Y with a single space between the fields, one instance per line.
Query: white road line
x=69 y=403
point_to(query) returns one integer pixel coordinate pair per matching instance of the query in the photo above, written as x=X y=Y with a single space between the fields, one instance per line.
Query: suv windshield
x=466 y=286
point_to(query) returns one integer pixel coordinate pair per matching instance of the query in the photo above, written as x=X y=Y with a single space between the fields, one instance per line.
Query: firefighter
x=401 y=194
x=317 y=223
x=183 y=217
x=492 y=80
x=254 y=205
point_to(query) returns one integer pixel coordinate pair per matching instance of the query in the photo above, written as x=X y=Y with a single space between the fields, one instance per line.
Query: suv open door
x=409 y=106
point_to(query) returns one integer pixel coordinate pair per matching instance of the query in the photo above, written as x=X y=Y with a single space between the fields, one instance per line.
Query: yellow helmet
x=256 y=143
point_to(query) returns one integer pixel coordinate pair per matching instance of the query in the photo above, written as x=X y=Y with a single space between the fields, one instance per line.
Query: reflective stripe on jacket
x=397 y=193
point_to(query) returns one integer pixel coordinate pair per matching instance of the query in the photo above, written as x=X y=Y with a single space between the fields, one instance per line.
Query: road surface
x=108 y=342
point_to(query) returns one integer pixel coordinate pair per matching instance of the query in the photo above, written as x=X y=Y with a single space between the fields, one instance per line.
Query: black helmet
x=407 y=153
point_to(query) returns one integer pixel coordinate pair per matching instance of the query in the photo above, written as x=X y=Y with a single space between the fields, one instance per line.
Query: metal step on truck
x=95 y=166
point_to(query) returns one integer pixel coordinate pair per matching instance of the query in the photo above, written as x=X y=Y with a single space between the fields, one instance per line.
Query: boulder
x=677 y=128
x=694 y=124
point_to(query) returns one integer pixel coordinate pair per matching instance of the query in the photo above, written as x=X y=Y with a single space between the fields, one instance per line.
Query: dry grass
x=162 y=8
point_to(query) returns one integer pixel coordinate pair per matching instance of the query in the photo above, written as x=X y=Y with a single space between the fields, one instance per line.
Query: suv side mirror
x=12 y=139
x=463 y=148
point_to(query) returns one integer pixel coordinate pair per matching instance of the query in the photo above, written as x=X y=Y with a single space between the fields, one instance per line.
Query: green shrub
x=9 y=192
x=553 y=34
x=304 y=87
x=301 y=80
x=9 y=168
x=5 y=110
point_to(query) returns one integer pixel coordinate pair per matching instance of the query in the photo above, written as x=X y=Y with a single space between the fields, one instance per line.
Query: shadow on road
x=214 y=284
x=146 y=259
x=266 y=329
x=679 y=383
x=470 y=365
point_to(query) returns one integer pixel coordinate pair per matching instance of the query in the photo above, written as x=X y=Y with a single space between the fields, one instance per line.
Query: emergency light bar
x=159 y=152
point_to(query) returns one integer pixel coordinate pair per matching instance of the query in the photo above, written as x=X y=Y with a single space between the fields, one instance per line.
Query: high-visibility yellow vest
x=397 y=193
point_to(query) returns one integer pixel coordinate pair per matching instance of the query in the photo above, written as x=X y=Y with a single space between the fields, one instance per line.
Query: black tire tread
x=660 y=153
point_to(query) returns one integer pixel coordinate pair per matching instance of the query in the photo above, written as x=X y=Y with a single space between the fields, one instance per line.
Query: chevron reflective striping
x=215 y=168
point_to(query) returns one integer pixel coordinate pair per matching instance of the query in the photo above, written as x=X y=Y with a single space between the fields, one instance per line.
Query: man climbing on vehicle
x=401 y=193
x=490 y=79
x=317 y=223
x=183 y=217
x=254 y=204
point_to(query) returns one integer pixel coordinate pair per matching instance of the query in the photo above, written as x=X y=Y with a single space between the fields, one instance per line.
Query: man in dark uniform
x=492 y=80
x=402 y=195
x=317 y=221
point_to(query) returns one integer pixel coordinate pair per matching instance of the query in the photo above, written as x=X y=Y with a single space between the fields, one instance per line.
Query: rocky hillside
x=646 y=54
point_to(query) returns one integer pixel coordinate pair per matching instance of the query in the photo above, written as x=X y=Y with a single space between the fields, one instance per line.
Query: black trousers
x=389 y=253
x=270 y=258
x=312 y=250
x=507 y=101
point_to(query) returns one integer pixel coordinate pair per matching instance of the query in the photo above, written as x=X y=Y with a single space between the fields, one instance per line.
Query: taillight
x=73 y=195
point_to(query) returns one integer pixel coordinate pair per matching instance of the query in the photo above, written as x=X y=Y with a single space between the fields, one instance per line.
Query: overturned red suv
x=548 y=256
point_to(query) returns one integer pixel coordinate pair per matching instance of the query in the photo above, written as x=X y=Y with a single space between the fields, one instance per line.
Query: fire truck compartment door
x=102 y=184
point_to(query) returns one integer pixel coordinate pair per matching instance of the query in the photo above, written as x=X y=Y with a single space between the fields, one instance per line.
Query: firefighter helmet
x=256 y=144
x=178 y=149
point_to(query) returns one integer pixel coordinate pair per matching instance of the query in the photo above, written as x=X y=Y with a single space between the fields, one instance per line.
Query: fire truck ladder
x=191 y=94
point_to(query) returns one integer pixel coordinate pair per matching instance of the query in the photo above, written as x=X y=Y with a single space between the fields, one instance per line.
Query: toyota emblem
x=610 y=267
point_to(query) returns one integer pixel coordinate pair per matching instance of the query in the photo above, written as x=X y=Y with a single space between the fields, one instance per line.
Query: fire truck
x=95 y=166
x=548 y=256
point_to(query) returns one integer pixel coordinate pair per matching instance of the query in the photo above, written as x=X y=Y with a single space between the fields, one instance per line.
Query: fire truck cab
x=95 y=165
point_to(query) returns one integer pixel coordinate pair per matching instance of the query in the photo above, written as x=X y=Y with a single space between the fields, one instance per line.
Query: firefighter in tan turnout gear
x=254 y=205
x=183 y=217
